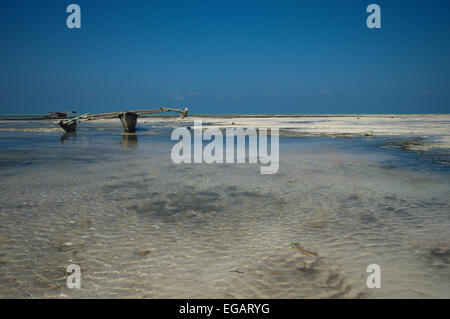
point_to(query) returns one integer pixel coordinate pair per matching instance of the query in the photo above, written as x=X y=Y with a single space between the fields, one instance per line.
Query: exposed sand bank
x=434 y=128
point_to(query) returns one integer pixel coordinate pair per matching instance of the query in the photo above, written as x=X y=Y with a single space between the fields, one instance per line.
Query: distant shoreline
x=39 y=117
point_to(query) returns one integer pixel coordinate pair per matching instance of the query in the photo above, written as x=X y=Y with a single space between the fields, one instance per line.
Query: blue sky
x=226 y=56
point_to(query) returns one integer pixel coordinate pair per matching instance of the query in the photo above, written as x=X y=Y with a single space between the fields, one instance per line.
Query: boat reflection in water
x=129 y=140
x=66 y=135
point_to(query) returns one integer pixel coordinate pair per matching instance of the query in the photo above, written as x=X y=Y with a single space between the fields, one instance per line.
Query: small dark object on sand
x=442 y=253
x=143 y=253
x=237 y=271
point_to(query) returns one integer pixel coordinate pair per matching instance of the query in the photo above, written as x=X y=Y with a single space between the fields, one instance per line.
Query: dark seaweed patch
x=175 y=203
x=440 y=253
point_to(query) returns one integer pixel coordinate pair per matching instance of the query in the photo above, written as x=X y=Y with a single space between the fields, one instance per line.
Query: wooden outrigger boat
x=68 y=126
x=127 y=118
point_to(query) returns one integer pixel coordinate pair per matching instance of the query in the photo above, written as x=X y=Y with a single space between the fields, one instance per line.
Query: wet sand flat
x=140 y=226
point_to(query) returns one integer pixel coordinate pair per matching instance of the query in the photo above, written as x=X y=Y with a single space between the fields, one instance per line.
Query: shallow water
x=140 y=226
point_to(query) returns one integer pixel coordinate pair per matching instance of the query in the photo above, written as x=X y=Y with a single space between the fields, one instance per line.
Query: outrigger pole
x=127 y=118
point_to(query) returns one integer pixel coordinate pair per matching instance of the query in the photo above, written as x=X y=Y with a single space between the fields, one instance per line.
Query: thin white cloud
x=178 y=96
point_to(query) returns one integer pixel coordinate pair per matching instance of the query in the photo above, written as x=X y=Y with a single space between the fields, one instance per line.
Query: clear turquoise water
x=140 y=226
